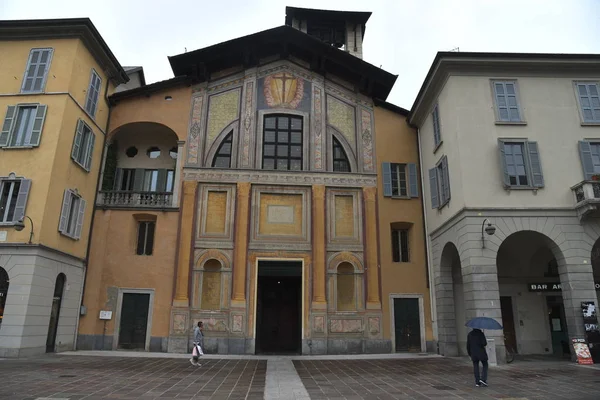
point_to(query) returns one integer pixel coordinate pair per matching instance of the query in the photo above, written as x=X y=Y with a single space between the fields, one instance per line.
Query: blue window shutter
x=80 y=218
x=118 y=178
x=434 y=188
x=8 y=124
x=138 y=180
x=412 y=180
x=437 y=137
x=38 y=125
x=77 y=141
x=90 y=152
x=446 y=179
x=22 y=199
x=585 y=153
x=387 y=179
x=161 y=185
x=537 y=176
x=505 y=176
x=64 y=213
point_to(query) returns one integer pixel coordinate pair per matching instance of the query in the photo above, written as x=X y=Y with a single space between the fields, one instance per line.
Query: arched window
x=223 y=156
x=346 y=292
x=282 y=142
x=340 y=159
x=3 y=291
x=211 y=286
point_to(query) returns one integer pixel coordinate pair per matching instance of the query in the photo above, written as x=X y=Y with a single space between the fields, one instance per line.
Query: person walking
x=476 y=343
x=198 y=344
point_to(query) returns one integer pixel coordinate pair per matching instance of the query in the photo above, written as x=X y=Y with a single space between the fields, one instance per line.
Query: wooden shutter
x=585 y=154
x=90 y=151
x=138 y=180
x=161 y=184
x=387 y=179
x=80 y=218
x=77 y=141
x=38 y=125
x=413 y=183
x=64 y=213
x=505 y=176
x=446 y=179
x=433 y=185
x=22 y=199
x=436 y=126
x=118 y=179
x=7 y=126
x=535 y=164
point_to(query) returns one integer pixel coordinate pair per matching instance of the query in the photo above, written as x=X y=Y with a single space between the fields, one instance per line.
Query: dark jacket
x=476 y=345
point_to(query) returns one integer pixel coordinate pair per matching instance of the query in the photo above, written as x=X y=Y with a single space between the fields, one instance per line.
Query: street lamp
x=489 y=229
x=20 y=225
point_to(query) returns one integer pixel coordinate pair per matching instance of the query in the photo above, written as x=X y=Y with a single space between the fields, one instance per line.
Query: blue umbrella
x=484 y=323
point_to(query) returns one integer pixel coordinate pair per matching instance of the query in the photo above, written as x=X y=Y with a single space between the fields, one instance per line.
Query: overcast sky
x=402 y=36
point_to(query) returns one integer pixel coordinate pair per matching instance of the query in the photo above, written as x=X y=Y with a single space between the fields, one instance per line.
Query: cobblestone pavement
x=67 y=377
x=445 y=378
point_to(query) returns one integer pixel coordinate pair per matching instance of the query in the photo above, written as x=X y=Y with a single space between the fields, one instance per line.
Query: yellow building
x=245 y=193
x=55 y=79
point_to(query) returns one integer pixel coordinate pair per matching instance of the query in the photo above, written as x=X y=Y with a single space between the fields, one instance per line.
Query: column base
x=373 y=306
x=181 y=303
x=319 y=305
x=238 y=303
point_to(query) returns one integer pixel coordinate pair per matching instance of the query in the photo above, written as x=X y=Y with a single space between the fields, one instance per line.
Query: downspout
x=89 y=243
x=432 y=301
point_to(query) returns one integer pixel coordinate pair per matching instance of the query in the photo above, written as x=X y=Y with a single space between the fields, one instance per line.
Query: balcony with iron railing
x=587 y=198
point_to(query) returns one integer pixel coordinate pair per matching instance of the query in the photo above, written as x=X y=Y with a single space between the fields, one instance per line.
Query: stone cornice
x=279 y=178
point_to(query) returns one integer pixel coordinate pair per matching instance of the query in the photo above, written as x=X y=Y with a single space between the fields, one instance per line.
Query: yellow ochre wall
x=397 y=143
x=49 y=166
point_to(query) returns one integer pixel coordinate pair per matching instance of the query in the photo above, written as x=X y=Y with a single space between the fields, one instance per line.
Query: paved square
x=442 y=378
x=77 y=377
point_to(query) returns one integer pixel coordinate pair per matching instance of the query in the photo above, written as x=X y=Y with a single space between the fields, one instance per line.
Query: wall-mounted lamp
x=489 y=229
x=20 y=225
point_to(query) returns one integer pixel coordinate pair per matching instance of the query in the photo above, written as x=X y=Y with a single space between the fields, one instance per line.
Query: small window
x=521 y=164
x=23 y=125
x=153 y=152
x=222 y=158
x=340 y=159
x=150 y=180
x=131 y=151
x=145 y=240
x=72 y=214
x=8 y=200
x=173 y=153
x=439 y=184
x=93 y=93
x=589 y=101
x=282 y=143
x=36 y=70
x=507 y=102
x=399 y=185
x=437 y=133
x=400 y=180
x=400 y=250
x=83 y=145
x=127 y=179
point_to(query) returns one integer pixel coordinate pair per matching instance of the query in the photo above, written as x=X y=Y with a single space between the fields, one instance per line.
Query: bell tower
x=344 y=30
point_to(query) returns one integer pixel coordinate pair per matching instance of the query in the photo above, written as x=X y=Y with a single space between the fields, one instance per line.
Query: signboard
x=582 y=351
x=105 y=315
x=550 y=287
x=3 y=235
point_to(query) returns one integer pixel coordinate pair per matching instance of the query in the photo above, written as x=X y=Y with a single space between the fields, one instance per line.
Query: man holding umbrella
x=476 y=343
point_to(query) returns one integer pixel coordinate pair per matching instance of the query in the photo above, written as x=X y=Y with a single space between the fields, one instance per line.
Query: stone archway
x=448 y=291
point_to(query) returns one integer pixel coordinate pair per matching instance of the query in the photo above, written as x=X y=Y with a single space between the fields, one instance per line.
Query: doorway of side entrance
x=133 y=321
x=279 y=307
x=407 y=324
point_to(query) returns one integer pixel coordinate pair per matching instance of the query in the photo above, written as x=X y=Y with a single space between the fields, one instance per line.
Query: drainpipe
x=428 y=257
x=89 y=243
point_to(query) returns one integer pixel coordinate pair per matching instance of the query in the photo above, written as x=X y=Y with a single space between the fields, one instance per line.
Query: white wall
x=469 y=134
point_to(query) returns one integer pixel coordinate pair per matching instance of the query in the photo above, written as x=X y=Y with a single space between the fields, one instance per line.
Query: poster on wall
x=590 y=319
x=582 y=351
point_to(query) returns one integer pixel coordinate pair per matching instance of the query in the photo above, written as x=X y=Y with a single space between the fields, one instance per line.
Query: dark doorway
x=55 y=312
x=134 y=321
x=508 y=323
x=279 y=307
x=407 y=325
x=558 y=326
x=3 y=291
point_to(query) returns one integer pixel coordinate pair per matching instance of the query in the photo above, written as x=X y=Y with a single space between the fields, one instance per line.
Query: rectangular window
x=23 y=125
x=589 y=153
x=400 y=180
x=13 y=199
x=439 y=184
x=83 y=145
x=150 y=180
x=282 y=143
x=93 y=93
x=72 y=214
x=507 y=102
x=399 y=186
x=400 y=250
x=170 y=177
x=145 y=240
x=437 y=133
x=36 y=70
x=589 y=101
x=521 y=164
x=127 y=179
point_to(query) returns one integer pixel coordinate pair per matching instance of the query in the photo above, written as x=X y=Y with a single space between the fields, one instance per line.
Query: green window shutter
x=585 y=154
x=413 y=183
x=138 y=180
x=77 y=140
x=64 y=213
x=433 y=185
x=7 y=126
x=90 y=151
x=161 y=185
x=38 y=125
x=22 y=199
x=80 y=218
x=505 y=176
x=118 y=178
x=387 y=179
x=536 y=165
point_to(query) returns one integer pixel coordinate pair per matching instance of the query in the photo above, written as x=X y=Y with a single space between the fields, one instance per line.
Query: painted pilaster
x=195 y=144
x=242 y=220
x=248 y=123
x=177 y=177
x=373 y=300
x=185 y=244
x=318 y=261
x=318 y=128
